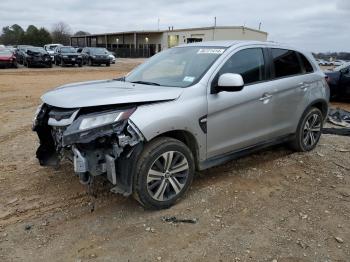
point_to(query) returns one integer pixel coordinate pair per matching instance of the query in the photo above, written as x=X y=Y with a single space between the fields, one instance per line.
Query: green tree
x=31 y=35
x=12 y=35
x=44 y=37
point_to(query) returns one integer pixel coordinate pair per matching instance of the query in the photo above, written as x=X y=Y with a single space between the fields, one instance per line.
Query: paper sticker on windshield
x=189 y=79
x=214 y=51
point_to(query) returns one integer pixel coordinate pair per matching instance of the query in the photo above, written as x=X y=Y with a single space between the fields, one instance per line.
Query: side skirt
x=218 y=160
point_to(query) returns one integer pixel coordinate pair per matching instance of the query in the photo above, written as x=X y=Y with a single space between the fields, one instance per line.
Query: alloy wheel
x=167 y=176
x=312 y=130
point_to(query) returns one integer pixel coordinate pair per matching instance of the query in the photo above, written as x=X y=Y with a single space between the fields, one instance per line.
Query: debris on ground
x=339 y=240
x=339 y=117
x=150 y=229
x=28 y=227
x=174 y=219
x=336 y=131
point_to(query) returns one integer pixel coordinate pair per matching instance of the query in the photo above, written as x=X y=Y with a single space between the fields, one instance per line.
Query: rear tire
x=164 y=172
x=309 y=131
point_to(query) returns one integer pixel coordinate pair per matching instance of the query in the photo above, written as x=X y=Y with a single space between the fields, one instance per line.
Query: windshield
x=37 y=49
x=5 y=52
x=345 y=65
x=177 y=67
x=98 y=51
x=68 y=50
x=51 y=47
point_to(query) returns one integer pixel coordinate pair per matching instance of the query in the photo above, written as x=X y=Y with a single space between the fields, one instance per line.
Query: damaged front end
x=98 y=141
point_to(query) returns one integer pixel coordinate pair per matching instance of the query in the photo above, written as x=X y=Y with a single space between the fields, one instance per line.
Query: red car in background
x=7 y=58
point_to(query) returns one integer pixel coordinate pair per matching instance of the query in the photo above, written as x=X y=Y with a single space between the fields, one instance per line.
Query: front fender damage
x=111 y=150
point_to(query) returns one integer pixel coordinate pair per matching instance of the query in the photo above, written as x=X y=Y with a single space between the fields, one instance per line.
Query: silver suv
x=187 y=108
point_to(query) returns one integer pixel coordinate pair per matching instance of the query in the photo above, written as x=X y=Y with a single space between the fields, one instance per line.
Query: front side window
x=249 y=63
x=176 y=67
x=285 y=62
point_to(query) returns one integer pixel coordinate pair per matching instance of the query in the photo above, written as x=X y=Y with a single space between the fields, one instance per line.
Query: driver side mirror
x=230 y=83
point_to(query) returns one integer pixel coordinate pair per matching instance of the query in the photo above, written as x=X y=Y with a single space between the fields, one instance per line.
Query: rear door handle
x=265 y=97
x=303 y=85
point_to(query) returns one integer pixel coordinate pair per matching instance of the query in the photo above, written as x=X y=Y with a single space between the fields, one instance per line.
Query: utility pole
x=214 y=28
x=259 y=25
x=158 y=23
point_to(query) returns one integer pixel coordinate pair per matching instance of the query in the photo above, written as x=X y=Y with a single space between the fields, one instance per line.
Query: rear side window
x=306 y=63
x=249 y=63
x=285 y=62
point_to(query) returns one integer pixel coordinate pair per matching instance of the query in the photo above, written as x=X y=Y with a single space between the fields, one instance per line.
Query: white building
x=147 y=43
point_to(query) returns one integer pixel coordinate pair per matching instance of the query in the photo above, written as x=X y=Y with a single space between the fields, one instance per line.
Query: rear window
x=306 y=63
x=286 y=63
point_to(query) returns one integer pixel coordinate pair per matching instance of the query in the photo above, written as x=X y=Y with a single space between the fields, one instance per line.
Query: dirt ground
x=275 y=205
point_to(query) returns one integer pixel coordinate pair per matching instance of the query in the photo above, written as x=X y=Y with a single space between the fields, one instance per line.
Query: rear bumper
x=100 y=61
x=6 y=63
x=40 y=63
x=72 y=60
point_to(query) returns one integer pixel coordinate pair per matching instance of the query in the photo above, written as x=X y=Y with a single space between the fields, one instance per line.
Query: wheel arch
x=185 y=137
x=321 y=104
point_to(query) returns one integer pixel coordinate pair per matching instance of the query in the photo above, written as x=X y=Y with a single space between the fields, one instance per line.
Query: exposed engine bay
x=98 y=141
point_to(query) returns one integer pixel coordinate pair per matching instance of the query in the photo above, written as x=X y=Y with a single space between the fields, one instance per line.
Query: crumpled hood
x=107 y=92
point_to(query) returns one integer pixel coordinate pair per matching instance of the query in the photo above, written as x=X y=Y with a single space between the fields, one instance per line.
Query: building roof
x=174 y=30
x=229 y=43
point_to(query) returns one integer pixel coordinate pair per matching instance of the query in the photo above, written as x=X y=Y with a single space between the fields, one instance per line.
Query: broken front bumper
x=110 y=149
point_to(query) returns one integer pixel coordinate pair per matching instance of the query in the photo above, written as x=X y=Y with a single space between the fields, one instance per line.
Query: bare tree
x=61 y=33
x=81 y=33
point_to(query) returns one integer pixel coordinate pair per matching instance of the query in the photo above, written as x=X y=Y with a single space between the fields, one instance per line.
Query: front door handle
x=265 y=97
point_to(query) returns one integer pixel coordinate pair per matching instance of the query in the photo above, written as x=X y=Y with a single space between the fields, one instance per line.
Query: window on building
x=286 y=62
x=249 y=63
x=173 y=40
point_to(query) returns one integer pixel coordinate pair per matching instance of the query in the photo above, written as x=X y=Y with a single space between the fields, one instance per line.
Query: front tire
x=164 y=173
x=309 y=131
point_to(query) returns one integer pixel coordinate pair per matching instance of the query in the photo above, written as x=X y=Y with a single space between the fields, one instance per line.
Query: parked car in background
x=21 y=52
x=67 y=55
x=321 y=62
x=189 y=107
x=36 y=56
x=7 y=58
x=339 y=81
x=337 y=63
x=111 y=57
x=50 y=48
x=96 y=56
